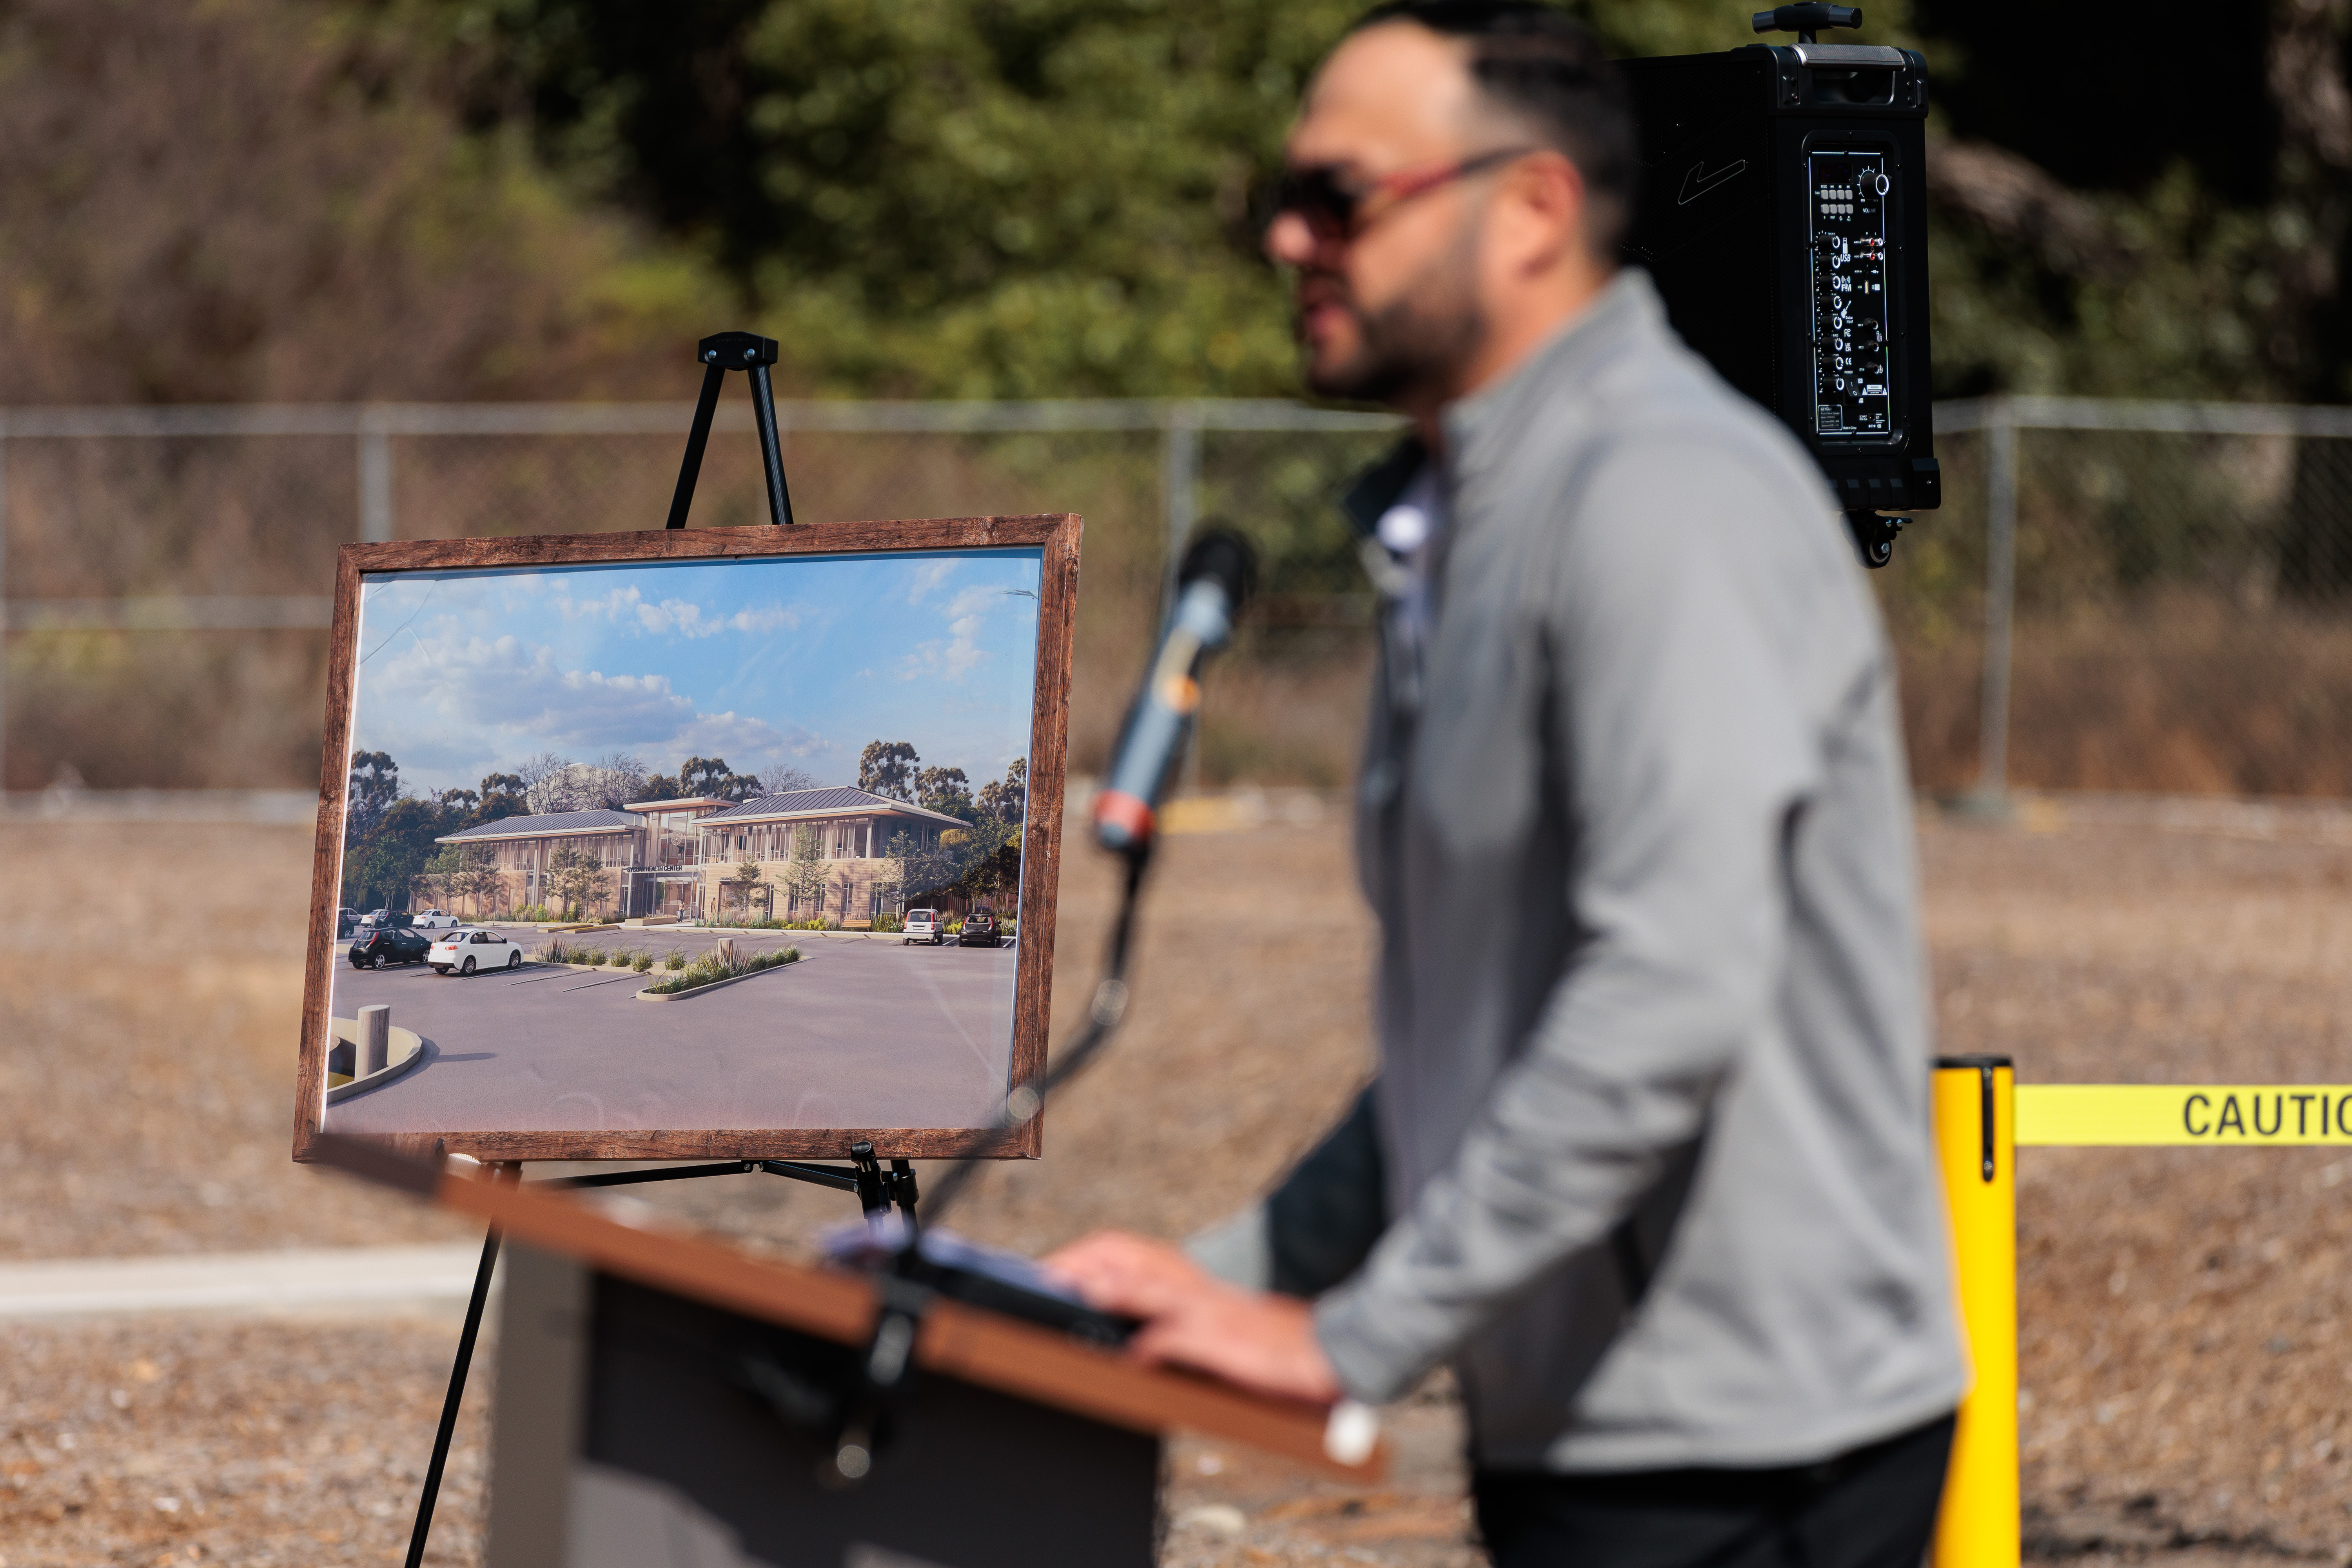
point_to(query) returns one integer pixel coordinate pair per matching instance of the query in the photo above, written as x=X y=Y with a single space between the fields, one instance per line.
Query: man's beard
x=1420 y=342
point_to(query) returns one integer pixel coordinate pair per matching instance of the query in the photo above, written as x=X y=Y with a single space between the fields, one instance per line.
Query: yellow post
x=1976 y=1132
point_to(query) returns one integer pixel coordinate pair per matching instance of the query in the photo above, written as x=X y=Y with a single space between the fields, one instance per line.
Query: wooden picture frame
x=1055 y=536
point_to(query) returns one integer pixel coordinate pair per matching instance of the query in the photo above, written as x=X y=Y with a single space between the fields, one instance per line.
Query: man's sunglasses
x=1337 y=207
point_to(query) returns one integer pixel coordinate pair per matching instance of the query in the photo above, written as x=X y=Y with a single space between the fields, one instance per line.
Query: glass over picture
x=685 y=844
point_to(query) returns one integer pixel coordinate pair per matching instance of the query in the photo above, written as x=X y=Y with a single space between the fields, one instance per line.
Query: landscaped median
x=681 y=976
x=720 y=966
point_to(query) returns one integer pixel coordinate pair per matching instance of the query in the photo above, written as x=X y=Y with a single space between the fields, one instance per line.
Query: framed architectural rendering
x=698 y=844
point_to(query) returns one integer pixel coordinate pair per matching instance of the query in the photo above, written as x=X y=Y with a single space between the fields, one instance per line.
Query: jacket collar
x=1625 y=310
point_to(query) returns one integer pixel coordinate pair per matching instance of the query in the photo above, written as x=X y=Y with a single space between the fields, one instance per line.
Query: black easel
x=751 y=354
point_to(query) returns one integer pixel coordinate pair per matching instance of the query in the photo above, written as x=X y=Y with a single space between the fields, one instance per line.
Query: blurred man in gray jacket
x=1648 y=1160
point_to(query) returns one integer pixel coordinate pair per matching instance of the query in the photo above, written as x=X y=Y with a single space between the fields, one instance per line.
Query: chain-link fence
x=2129 y=596
x=2124 y=595
x=164 y=571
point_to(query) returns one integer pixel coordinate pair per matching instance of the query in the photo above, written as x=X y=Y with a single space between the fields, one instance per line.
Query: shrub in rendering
x=717 y=965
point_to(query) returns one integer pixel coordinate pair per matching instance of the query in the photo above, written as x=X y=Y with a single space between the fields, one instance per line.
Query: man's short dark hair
x=1539 y=64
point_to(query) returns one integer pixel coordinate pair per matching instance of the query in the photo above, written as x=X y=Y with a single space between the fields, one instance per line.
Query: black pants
x=1873 y=1507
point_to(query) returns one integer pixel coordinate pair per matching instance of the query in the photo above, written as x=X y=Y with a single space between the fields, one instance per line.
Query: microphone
x=1217 y=576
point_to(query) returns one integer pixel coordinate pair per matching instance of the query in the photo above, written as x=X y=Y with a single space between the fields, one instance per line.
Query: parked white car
x=923 y=925
x=434 y=920
x=465 y=951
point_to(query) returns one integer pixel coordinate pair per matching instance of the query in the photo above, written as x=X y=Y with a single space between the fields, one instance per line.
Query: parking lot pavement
x=860 y=1033
x=659 y=940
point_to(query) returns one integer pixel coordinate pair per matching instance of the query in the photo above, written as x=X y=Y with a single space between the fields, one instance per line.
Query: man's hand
x=1260 y=1340
x=1121 y=1272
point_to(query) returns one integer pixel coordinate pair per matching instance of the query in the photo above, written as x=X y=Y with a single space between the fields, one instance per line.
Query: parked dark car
x=394 y=944
x=980 y=930
x=346 y=922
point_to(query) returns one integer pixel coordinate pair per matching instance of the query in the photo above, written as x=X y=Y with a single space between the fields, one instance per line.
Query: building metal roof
x=822 y=803
x=548 y=825
x=683 y=803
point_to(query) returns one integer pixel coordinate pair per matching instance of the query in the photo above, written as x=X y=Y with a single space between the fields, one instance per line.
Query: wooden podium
x=666 y=1401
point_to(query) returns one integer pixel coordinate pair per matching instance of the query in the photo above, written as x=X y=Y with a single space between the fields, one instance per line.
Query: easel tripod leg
x=771 y=447
x=473 y=1306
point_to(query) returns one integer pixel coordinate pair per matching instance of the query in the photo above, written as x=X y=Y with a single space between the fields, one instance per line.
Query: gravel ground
x=260 y=1444
x=2183 y=1358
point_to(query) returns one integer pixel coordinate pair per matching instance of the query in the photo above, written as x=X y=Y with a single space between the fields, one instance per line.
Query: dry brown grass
x=2181 y=694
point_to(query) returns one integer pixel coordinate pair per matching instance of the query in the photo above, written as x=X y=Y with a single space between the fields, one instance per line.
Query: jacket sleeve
x=1682 y=753
x=1318 y=1227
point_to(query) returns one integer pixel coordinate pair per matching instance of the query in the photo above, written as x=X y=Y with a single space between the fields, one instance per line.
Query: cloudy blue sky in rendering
x=765 y=661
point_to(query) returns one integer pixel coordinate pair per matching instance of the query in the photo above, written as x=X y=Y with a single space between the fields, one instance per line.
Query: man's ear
x=1543 y=211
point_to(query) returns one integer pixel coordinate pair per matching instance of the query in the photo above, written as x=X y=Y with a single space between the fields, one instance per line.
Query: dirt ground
x=2184 y=1358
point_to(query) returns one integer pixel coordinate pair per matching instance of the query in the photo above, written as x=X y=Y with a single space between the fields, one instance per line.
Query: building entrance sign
x=697 y=729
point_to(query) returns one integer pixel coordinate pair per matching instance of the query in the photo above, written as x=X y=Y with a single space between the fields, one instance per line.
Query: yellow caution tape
x=2216 y=1115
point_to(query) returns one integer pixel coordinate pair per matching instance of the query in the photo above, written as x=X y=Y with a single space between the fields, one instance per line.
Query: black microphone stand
x=906 y=1285
x=908 y=1282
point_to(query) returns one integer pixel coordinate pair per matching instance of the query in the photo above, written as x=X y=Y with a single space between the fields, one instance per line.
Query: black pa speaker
x=1781 y=211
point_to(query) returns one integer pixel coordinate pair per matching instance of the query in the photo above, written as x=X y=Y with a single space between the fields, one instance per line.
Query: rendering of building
x=681 y=857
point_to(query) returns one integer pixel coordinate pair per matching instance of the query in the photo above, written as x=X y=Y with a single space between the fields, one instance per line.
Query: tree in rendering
x=890 y=875
x=577 y=878
x=502 y=797
x=1006 y=799
x=946 y=791
x=375 y=785
x=915 y=869
x=477 y=879
x=987 y=858
x=804 y=873
x=786 y=777
x=750 y=881
x=712 y=776
x=889 y=768
x=441 y=875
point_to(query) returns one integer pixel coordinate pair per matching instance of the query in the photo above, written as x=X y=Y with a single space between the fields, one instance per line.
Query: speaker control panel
x=1852 y=325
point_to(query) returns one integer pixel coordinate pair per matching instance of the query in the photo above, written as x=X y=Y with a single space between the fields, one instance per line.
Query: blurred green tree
x=276 y=199
x=1049 y=197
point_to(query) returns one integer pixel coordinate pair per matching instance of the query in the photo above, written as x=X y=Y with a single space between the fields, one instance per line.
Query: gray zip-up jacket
x=1649 y=1157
